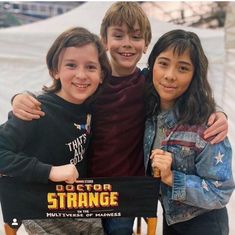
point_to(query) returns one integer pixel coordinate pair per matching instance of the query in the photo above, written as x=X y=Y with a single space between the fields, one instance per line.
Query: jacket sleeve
x=212 y=185
x=15 y=136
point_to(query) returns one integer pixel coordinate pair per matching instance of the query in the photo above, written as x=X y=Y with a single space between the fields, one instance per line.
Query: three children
x=119 y=113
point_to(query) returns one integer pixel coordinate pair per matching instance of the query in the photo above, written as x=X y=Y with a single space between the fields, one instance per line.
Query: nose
x=170 y=74
x=80 y=73
x=127 y=41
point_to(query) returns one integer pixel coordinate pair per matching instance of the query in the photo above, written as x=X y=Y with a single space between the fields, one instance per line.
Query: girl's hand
x=218 y=127
x=26 y=107
x=161 y=161
x=67 y=173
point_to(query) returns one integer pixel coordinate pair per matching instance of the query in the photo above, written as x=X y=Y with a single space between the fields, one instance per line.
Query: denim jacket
x=202 y=172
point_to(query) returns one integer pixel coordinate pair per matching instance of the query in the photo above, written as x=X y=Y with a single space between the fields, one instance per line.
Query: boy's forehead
x=123 y=26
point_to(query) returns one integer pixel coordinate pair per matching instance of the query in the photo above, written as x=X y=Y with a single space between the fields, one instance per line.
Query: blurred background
x=207 y=14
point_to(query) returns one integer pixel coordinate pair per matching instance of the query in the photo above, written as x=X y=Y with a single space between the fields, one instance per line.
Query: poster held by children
x=86 y=198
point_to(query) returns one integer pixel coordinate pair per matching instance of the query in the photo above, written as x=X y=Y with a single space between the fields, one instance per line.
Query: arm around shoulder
x=27 y=107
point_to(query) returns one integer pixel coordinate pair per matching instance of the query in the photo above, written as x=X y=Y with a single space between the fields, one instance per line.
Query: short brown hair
x=128 y=13
x=74 y=37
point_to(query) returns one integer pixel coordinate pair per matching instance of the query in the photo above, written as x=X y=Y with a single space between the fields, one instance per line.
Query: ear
x=56 y=76
x=145 y=49
x=101 y=77
x=104 y=42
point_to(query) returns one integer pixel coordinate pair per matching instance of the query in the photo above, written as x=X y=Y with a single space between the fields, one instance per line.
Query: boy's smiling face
x=125 y=47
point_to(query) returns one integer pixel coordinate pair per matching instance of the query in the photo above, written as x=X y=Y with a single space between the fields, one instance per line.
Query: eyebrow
x=137 y=31
x=117 y=28
x=181 y=61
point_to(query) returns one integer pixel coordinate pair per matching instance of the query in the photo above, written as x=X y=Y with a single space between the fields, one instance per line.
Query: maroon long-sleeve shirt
x=118 y=126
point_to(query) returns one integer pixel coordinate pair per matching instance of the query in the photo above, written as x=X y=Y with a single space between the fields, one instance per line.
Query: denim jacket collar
x=166 y=117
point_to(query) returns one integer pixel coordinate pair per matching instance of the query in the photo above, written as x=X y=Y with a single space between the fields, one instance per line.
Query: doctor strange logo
x=82 y=195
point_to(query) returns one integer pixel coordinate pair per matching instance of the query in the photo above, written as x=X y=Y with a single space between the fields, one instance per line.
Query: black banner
x=87 y=198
